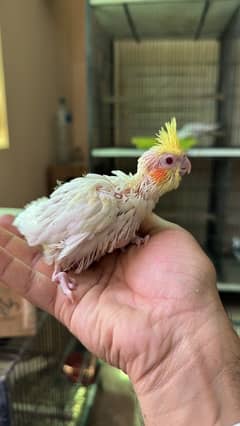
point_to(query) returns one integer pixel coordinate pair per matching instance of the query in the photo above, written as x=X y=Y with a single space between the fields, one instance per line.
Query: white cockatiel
x=93 y=215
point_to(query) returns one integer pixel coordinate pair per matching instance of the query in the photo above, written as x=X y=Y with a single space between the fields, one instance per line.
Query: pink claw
x=66 y=283
x=140 y=240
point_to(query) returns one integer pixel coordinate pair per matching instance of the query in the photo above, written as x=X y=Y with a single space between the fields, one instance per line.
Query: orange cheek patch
x=158 y=174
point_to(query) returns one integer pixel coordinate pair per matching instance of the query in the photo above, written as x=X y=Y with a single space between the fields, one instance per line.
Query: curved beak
x=185 y=165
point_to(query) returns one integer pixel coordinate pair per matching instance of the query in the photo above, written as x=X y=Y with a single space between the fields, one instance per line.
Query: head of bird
x=165 y=163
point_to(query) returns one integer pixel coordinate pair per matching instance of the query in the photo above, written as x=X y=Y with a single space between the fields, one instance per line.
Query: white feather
x=84 y=219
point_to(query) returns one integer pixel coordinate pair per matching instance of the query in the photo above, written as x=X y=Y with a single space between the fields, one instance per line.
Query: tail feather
x=27 y=221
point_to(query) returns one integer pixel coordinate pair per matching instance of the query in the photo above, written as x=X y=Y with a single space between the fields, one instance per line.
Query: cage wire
x=34 y=389
x=146 y=79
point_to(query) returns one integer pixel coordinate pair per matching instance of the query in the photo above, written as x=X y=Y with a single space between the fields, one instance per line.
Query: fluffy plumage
x=93 y=215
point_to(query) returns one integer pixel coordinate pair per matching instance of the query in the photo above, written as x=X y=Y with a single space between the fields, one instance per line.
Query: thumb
x=153 y=224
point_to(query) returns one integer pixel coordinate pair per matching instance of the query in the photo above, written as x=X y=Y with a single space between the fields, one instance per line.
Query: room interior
x=123 y=68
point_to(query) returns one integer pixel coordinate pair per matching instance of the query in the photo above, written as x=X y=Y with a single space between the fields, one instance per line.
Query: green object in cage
x=144 y=142
x=188 y=143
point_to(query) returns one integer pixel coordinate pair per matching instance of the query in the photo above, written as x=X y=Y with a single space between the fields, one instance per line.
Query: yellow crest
x=167 y=139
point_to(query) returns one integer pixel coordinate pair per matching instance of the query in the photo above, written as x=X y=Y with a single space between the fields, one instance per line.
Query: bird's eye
x=169 y=160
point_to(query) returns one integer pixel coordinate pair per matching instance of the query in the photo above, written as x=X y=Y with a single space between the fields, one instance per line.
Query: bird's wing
x=75 y=211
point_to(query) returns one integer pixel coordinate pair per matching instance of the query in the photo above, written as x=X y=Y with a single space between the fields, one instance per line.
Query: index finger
x=27 y=282
x=19 y=248
x=6 y=221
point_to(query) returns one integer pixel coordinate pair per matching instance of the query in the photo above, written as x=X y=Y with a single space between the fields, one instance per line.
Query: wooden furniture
x=63 y=173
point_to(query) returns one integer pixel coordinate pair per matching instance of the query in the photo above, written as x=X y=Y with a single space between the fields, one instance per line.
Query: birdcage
x=149 y=61
x=46 y=379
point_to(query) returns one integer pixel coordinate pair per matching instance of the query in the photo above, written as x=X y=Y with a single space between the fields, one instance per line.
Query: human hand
x=124 y=298
x=133 y=309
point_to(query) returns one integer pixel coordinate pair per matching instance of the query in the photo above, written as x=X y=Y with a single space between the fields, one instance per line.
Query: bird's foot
x=139 y=241
x=66 y=283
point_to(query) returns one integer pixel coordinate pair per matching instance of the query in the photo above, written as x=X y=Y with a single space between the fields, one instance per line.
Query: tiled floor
x=115 y=403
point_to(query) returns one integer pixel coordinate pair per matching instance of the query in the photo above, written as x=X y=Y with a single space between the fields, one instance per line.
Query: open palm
x=126 y=307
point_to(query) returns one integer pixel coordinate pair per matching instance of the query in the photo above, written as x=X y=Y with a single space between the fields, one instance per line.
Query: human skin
x=152 y=311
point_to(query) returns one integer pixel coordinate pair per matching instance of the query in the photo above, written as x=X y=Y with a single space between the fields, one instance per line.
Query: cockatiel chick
x=93 y=215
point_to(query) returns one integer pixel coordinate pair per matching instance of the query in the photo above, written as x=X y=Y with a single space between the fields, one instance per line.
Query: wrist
x=197 y=381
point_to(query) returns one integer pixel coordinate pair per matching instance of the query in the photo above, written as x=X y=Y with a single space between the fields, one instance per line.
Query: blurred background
x=85 y=86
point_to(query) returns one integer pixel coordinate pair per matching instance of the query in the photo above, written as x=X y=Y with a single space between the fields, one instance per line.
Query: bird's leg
x=66 y=283
x=138 y=241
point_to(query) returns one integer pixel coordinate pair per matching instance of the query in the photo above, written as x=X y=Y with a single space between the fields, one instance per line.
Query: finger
x=27 y=282
x=153 y=224
x=6 y=221
x=37 y=288
x=18 y=247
